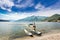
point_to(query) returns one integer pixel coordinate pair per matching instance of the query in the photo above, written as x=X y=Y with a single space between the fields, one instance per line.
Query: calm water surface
x=16 y=28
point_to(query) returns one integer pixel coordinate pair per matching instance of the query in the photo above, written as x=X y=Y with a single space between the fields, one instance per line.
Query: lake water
x=16 y=28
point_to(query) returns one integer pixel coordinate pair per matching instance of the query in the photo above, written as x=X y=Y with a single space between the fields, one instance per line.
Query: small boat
x=34 y=30
x=28 y=33
x=38 y=33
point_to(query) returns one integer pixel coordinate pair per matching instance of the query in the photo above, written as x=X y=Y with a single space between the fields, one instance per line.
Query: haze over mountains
x=33 y=18
x=52 y=18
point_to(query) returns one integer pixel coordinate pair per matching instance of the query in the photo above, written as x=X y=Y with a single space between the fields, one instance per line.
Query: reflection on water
x=16 y=28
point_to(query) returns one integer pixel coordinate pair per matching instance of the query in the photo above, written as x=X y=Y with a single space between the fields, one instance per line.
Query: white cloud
x=47 y=12
x=18 y=1
x=6 y=9
x=3 y=8
x=10 y=17
x=39 y=6
x=26 y=3
x=6 y=3
x=16 y=16
x=13 y=16
x=10 y=3
x=56 y=5
x=9 y=10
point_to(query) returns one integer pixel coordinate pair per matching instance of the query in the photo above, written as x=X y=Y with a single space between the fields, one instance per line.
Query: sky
x=19 y=9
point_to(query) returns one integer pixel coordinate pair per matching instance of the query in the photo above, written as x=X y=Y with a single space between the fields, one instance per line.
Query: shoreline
x=47 y=36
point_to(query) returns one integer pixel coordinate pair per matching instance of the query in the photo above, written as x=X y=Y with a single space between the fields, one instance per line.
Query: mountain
x=53 y=18
x=4 y=20
x=32 y=18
